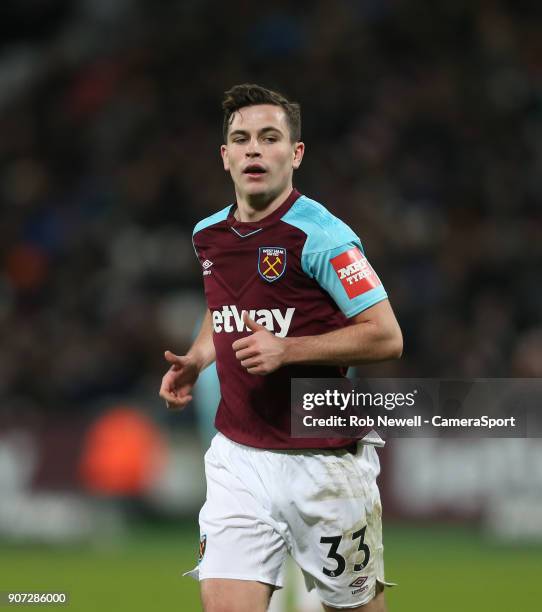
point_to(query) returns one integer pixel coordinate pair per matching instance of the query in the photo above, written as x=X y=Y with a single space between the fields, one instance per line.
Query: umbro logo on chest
x=206 y=267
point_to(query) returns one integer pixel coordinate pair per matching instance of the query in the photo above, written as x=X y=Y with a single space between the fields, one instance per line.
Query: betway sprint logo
x=230 y=319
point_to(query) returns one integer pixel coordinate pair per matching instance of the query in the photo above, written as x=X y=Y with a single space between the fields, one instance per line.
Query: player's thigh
x=239 y=539
x=222 y=595
x=336 y=529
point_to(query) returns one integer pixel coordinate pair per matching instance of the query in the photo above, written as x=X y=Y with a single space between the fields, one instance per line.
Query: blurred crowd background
x=423 y=127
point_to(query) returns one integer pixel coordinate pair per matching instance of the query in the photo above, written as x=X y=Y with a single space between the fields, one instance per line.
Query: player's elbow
x=394 y=344
x=397 y=347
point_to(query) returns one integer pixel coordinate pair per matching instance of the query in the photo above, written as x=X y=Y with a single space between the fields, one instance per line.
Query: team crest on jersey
x=271 y=263
x=202 y=546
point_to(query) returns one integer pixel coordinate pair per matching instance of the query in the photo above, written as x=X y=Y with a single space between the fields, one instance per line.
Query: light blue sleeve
x=219 y=216
x=329 y=237
x=318 y=266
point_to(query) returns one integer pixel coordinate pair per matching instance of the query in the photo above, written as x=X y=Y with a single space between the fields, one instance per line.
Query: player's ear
x=299 y=150
x=224 y=155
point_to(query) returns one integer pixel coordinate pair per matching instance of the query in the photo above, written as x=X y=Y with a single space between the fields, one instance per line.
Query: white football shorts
x=322 y=507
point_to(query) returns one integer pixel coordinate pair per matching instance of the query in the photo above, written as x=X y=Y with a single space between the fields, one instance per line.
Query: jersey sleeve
x=344 y=272
x=333 y=256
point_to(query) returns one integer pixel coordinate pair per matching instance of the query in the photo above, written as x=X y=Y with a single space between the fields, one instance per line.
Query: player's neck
x=255 y=208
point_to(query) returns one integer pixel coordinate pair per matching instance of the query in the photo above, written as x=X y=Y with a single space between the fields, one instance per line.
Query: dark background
x=423 y=126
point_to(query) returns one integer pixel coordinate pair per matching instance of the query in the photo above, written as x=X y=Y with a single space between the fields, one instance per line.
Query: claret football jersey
x=300 y=271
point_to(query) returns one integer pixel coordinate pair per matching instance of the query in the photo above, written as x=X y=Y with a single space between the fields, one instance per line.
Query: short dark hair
x=248 y=94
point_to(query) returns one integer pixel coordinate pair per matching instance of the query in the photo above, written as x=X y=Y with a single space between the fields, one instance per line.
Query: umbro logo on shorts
x=358 y=585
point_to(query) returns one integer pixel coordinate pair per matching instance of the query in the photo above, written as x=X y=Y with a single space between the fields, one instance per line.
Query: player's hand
x=261 y=352
x=178 y=381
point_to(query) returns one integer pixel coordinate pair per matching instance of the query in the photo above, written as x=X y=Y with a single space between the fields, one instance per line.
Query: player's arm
x=374 y=335
x=178 y=381
x=345 y=274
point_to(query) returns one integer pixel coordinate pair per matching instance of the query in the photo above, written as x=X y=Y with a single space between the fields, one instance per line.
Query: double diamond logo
x=359 y=585
x=359 y=582
x=206 y=265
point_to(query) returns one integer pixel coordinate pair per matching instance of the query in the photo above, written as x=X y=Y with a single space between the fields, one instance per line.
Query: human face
x=259 y=154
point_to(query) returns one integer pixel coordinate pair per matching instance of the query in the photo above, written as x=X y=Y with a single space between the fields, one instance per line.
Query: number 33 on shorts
x=334 y=543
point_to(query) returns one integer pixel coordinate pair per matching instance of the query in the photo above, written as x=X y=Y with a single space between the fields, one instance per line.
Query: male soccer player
x=290 y=294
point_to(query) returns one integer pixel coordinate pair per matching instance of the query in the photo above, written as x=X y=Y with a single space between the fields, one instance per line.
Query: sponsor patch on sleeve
x=355 y=272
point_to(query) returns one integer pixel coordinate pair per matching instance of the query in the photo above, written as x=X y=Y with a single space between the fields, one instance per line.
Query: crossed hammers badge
x=271 y=263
